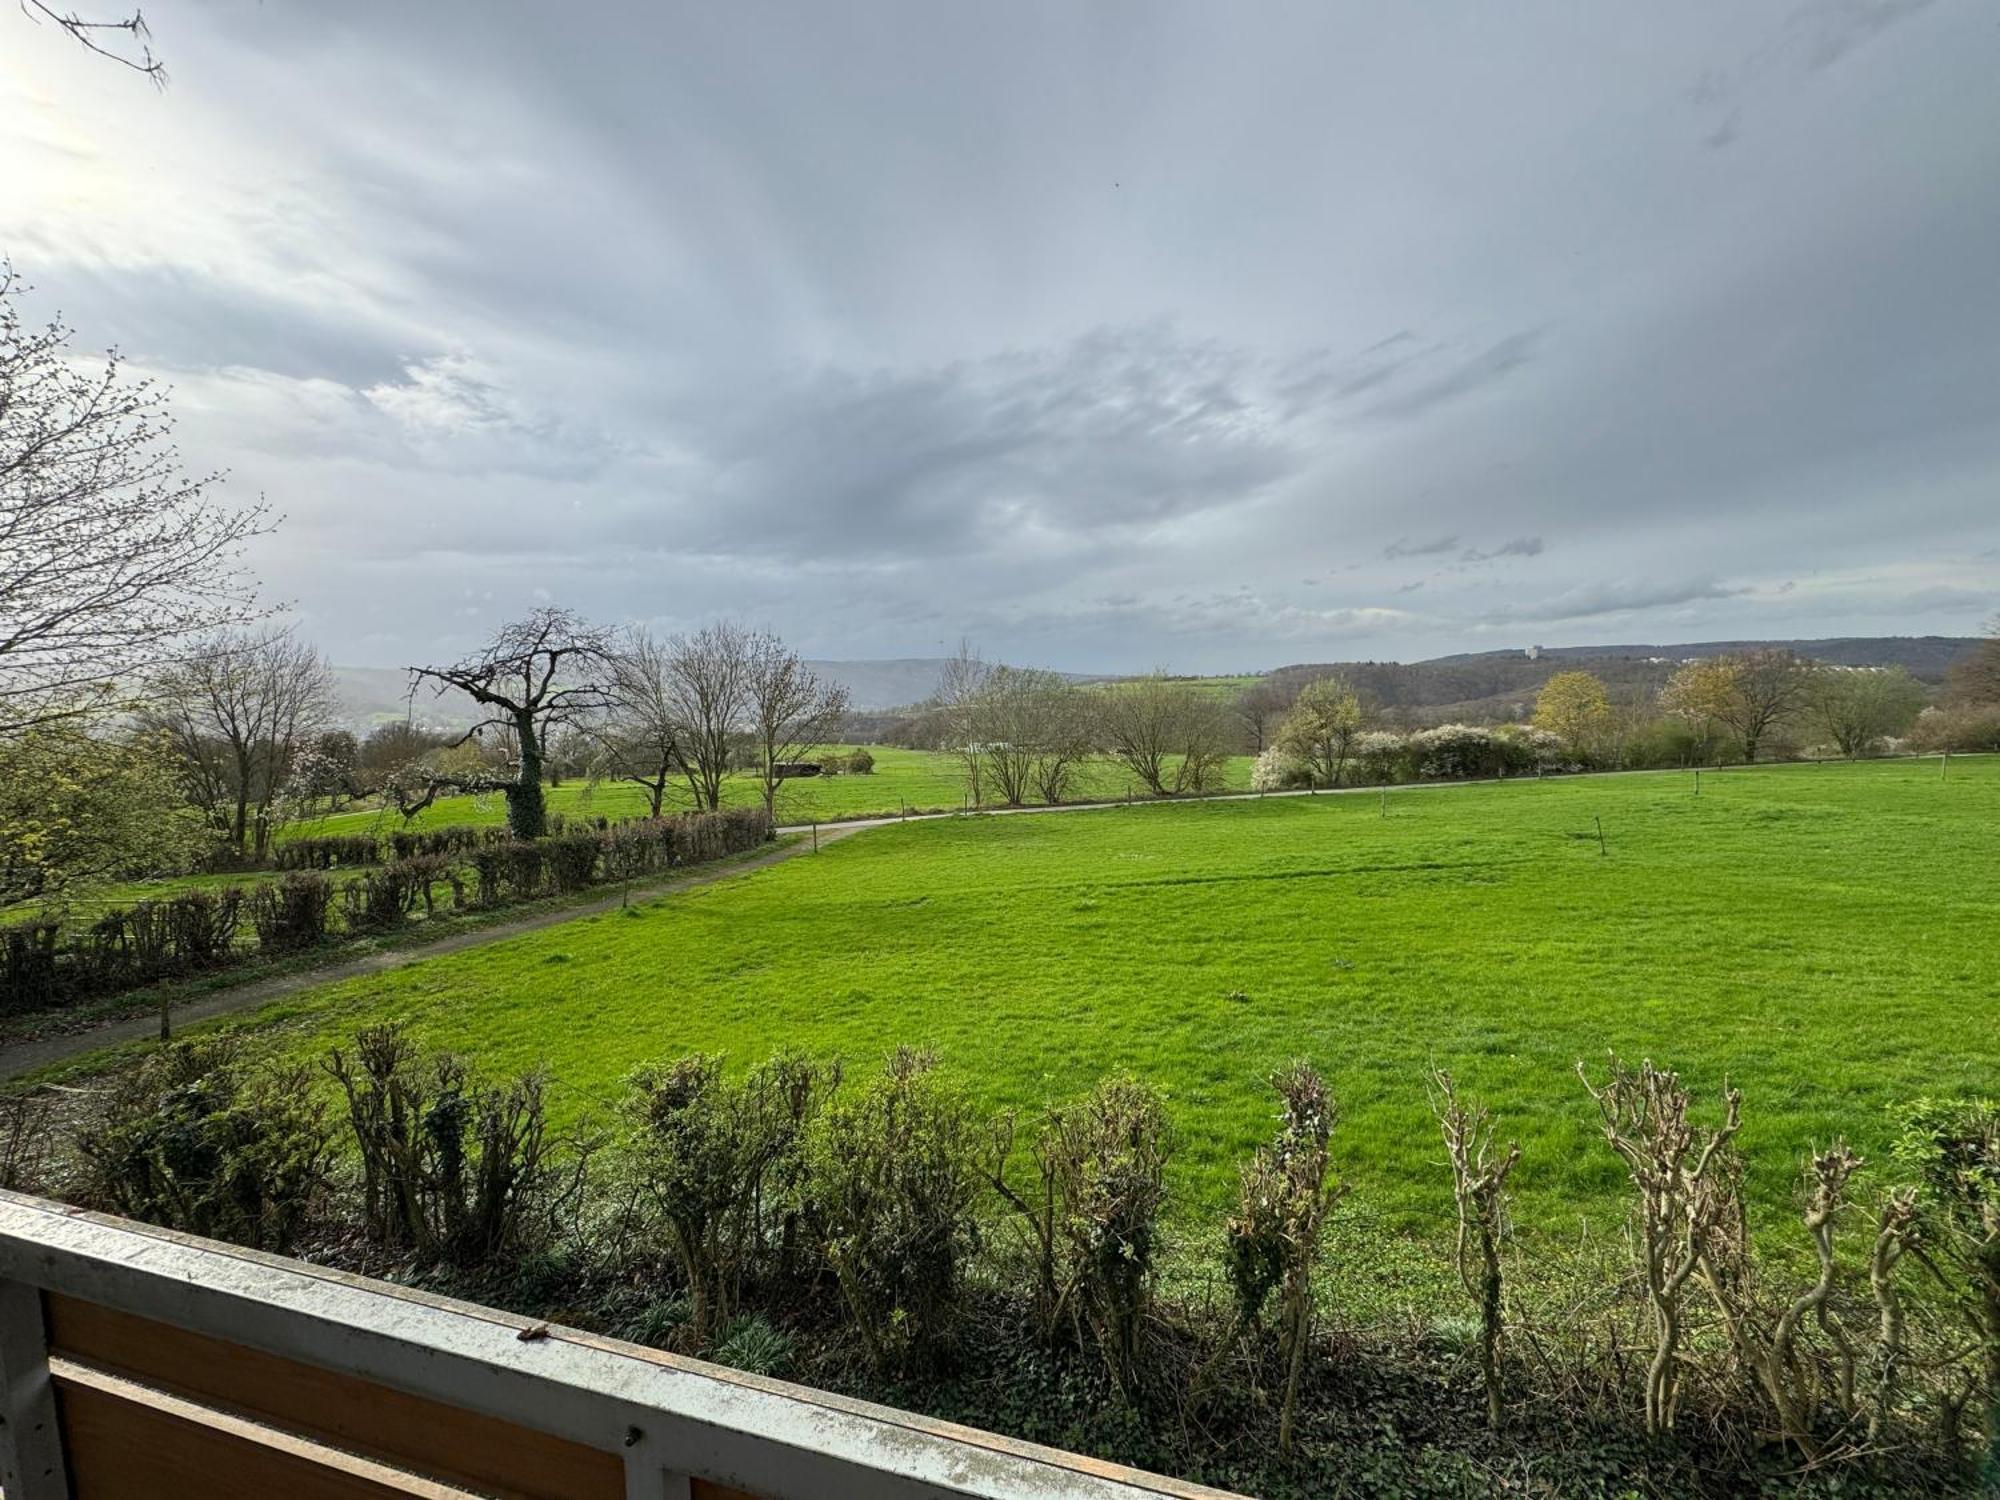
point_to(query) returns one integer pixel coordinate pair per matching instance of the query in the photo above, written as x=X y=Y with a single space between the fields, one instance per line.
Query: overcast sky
x=1108 y=335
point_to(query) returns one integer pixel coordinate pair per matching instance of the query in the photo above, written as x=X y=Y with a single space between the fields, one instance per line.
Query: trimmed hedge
x=45 y=963
x=339 y=850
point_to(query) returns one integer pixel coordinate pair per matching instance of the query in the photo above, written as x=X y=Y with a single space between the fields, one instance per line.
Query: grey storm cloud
x=1615 y=598
x=1404 y=547
x=1111 y=335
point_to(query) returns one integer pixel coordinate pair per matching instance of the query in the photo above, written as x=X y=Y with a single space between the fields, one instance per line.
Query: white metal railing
x=132 y=1357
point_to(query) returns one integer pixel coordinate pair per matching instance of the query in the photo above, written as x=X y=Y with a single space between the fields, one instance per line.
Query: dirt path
x=25 y=1057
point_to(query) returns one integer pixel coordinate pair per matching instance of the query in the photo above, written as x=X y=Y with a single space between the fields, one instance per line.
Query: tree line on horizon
x=154 y=713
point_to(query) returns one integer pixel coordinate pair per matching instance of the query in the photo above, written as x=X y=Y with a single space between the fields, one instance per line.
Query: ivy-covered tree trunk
x=527 y=809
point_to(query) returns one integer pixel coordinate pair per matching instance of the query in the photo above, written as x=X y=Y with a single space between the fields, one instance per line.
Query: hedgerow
x=857 y=1234
x=48 y=962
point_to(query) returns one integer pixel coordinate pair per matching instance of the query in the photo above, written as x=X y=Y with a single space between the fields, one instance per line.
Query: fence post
x=31 y=1454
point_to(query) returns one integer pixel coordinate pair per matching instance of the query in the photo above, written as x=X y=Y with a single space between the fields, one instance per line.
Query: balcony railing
x=139 y=1363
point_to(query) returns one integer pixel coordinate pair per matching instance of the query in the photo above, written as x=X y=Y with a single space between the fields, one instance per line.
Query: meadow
x=1822 y=936
x=916 y=780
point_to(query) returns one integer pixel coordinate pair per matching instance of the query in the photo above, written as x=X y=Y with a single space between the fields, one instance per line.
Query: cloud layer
x=1111 y=336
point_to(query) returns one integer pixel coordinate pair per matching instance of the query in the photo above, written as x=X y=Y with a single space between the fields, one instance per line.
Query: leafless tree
x=640 y=734
x=88 y=34
x=1858 y=707
x=1975 y=677
x=708 y=695
x=1066 y=739
x=957 y=707
x=791 y=710
x=537 y=675
x=1170 y=735
x=1769 y=686
x=1259 y=707
x=238 y=712
x=110 y=556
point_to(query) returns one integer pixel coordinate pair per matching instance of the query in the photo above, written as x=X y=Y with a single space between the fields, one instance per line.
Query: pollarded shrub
x=182 y=934
x=329 y=852
x=719 y=1163
x=455 y=838
x=1272 y=1243
x=892 y=1182
x=195 y=1138
x=30 y=966
x=291 y=913
x=453 y=1168
x=1091 y=1215
x=383 y=898
x=42 y=963
x=571 y=860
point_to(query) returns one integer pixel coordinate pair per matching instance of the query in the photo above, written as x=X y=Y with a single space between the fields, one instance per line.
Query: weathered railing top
x=118 y=1340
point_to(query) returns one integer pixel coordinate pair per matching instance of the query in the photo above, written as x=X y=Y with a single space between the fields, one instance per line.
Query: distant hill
x=1500 y=685
x=1923 y=656
x=1471 y=685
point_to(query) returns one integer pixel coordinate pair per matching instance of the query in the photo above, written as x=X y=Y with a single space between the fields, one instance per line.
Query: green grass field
x=922 y=780
x=1827 y=937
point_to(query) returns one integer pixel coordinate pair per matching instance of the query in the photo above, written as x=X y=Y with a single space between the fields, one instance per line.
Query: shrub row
x=331 y=852
x=854 y=763
x=455 y=838
x=908 y=1240
x=43 y=963
x=1450 y=752
x=47 y=963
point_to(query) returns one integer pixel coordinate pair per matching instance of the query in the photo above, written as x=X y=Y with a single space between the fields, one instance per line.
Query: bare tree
x=1170 y=735
x=957 y=708
x=708 y=694
x=1259 y=707
x=1975 y=677
x=538 y=674
x=1024 y=731
x=1066 y=740
x=791 y=710
x=87 y=34
x=640 y=734
x=1858 y=707
x=238 y=713
x=110 y=556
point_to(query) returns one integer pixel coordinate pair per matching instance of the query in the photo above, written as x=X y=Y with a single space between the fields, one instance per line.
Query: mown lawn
x=921 y=780
x=1826 y=937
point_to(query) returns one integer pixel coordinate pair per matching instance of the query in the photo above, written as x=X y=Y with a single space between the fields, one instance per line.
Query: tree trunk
x=527 y=811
